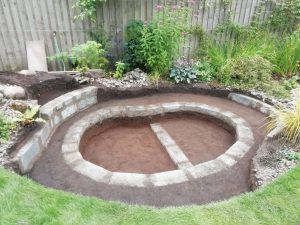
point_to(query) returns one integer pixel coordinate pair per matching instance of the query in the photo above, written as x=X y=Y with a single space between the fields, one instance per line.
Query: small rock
x=21 y=106
x=1 y=96
x=14 y=92
x=84 y=81
x=27 y=72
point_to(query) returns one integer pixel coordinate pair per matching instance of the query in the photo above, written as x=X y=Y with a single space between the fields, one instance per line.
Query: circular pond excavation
x=178 y=167
x=162 y=149
x=131 y=145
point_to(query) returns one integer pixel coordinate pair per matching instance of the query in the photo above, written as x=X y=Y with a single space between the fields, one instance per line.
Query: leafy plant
x=288 y=120
x=85 y=56
x=204 y=71
x=87 y=8
x=29 y=116
x=161 y=38
x=183 y=74
x=133 y=56
x=286 y=15
x=120 y=68
x=6 y=126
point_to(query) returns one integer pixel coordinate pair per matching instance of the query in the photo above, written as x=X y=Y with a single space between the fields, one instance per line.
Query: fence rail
x=30 y=20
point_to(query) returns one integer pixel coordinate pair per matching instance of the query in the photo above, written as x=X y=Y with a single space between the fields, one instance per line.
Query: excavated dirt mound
x=42 y=86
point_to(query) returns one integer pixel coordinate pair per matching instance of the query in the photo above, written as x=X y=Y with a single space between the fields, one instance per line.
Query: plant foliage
x=87 y=9
x=6 y=126
x=183 y=73
x=289 y=121
x=90 y=55
x=161 y=38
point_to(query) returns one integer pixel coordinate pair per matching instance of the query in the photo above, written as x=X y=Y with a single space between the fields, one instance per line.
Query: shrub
x=249 y=71
x=133 y=56
x=5 y=128
x=85 y=56
x=204 y=71
x=289 y=121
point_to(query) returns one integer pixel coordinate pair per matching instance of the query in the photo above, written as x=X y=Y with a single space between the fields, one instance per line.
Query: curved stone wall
x=72 y=156
x=54 y=113
x=60 y=109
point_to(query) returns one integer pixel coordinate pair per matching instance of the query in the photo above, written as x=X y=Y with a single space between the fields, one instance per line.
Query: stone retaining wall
x=54 y=113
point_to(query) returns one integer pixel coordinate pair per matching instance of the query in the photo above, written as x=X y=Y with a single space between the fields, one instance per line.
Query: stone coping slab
x=72 y=156
x=260 y=106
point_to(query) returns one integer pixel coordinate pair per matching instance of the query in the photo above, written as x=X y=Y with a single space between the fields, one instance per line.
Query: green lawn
x=25 y=202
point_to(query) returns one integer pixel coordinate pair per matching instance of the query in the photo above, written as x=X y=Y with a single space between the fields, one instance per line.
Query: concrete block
x=92 y=171
x=128 y=179
x=68 y=111
x=167 y=178
x=87 y=101
x=238 y=150
x=28 y=154
x=44 y=133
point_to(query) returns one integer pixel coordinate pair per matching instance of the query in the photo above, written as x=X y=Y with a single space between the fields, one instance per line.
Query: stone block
x=128 y=179
x=238 y=150
x=167 y=178
x=44 y=133
x=28 y=154
x=87 y=101
x=206 y=168
x=68 y=111
x=92 y=171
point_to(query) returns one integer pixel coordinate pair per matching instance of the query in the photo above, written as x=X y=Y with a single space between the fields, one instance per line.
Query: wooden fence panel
x=29 y=20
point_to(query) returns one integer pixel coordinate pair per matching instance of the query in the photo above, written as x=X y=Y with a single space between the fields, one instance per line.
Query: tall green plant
x=287 y=57
x=162 y=37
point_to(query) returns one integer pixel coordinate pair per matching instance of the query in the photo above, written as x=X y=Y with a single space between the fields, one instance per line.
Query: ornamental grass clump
x=289 y=122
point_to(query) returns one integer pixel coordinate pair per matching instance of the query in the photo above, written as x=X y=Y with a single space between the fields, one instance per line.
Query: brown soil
x=200 y=138
x=125 y=146
x=129 y=145
x=51 y=170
